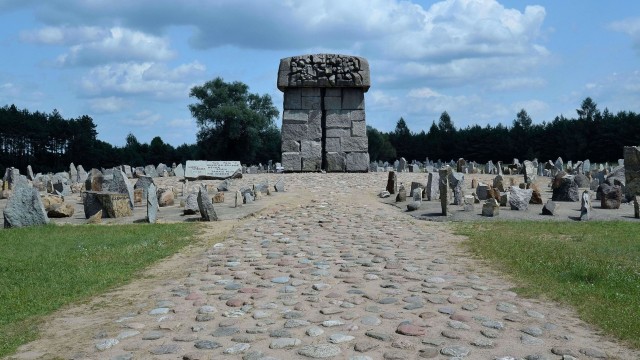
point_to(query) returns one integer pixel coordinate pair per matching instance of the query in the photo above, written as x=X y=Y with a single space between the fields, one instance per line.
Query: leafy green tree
x=588 y=110
x=233 y=123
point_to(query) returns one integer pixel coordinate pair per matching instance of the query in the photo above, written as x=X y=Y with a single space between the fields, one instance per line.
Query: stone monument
x=323 y=121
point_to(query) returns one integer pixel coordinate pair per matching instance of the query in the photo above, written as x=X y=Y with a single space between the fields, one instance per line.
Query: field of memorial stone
x=317 y=265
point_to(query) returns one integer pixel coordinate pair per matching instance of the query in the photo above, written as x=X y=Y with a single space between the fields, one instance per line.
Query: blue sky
x=130 y=64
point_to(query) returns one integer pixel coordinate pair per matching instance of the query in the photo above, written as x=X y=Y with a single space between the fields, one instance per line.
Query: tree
x=401 y=139
x=522 y=120
x=445 y=124
x=588 y=110
x=234 y=123
x=379 y=146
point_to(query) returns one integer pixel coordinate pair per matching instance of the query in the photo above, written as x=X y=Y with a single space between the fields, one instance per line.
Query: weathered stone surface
x=311 y=155
x=336 y=162
x=150 y=170
x=519 y=198
x=218 y=198
x=323 y=70
x=201 y=169
x=610 y=196
x=632 y=170
x=392 y=183
x=94 y=180
x=152 y=204
x=490 y=208
x=166 y=197
x=120 y=184
x=24 y=208
x=402 y=194
x=585 y=206
x=444 y=188
x=191 y=204
x=529 y=172
x=565 y=189
x=482 y=191
x=636 y=207
x=549 y=208
x=205 y=205
x=456 y=182
x=357 y=162
x=291 y=161
x=61 y=210
x=433 y=186
x=112 y=205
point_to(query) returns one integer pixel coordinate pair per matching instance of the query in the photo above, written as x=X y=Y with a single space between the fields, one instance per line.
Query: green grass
x=592 y=266
x=44 y=268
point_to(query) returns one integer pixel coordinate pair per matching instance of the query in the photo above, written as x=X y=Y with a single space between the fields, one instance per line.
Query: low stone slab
x=220 y=170
x=112 y=205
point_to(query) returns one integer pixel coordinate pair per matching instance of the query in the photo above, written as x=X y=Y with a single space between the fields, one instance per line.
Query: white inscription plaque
x=202 y=169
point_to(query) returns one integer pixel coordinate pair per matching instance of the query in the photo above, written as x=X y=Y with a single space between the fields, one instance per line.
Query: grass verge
x=44 y=268
x=592 y=266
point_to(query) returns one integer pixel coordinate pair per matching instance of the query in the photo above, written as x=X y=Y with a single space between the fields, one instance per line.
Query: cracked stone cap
x=324 y=70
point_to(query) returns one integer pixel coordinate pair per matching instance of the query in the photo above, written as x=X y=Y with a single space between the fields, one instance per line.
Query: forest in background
x=49 y=143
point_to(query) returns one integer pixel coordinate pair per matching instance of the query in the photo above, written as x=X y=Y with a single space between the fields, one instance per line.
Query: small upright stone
x=549 y=208
x=519 y=198
x=205 y=206
x=152 y=204
x=392 y=183
x=402 y=194
x=585 y=206
x=490 y=208
x=636 y=207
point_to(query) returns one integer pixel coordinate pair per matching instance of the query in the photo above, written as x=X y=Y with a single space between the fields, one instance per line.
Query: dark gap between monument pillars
x=323 y=118
x=323 y=125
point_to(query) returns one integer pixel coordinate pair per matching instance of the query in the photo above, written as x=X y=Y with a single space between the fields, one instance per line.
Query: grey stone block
x=358 y=129
x=290 y=146
x=339 y=132
x=311 y=92
x=295 y=116
x=294 y=131
x=333 y=145
x=356 y=115
x=357 y=161
x=354 y=144
x=311 y=155
x=291 y=161
x=335 y=162
x=332 y=102
x=292 y=99
x=338 y=118
x=311 y=102
x=352 y=98
x=333 y=92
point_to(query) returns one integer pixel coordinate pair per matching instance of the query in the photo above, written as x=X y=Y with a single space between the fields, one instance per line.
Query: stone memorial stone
x=24 y=208
x=593 y=185
x=127 y=171
x=207 y=212
x=238 y=199
x=323 y=122
x=61 y=210
x=402 y=165
x=456 y=182
x=632 y=170
x=166 y=197
x=529 y=172
x=152 y=204
x=151 y=171
x=498 y=183
x=82 y=174
x=549 y=208
x=469 y=201
x=401 y=196
x=581 y=180
x=262 y=187
x=482 y=191
x=610 y=196
x=143 y=183
x=433 y=186
x=119 y=184
x=30 y=173
x=178 y=170
x=218 y=198
x=279 y=185
x=461 y=164
x=519 y=198
x=94 y=180
x=559 y=164
x=565 y=189
x=392 y=183
x=161 y=170
x=490 y=208
x=112 y=205
x=444 y=189
x=585 y=206
x=636 y=207
x=200 y=169
x=414 y=186
x=225 y=185
x=191 y=204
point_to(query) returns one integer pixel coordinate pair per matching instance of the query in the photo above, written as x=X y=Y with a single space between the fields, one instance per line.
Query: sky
x=130 y=64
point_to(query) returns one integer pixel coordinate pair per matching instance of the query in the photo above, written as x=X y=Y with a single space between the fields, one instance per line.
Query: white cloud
x=423 y=93
x=146 y=78
x=630 y=27
x=182 y=123
x=144 y=118
x=512 y=83
x=109 y=104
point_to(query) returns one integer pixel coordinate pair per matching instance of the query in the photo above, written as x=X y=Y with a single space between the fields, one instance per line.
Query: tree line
x=594 y=135
x=235 y=124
